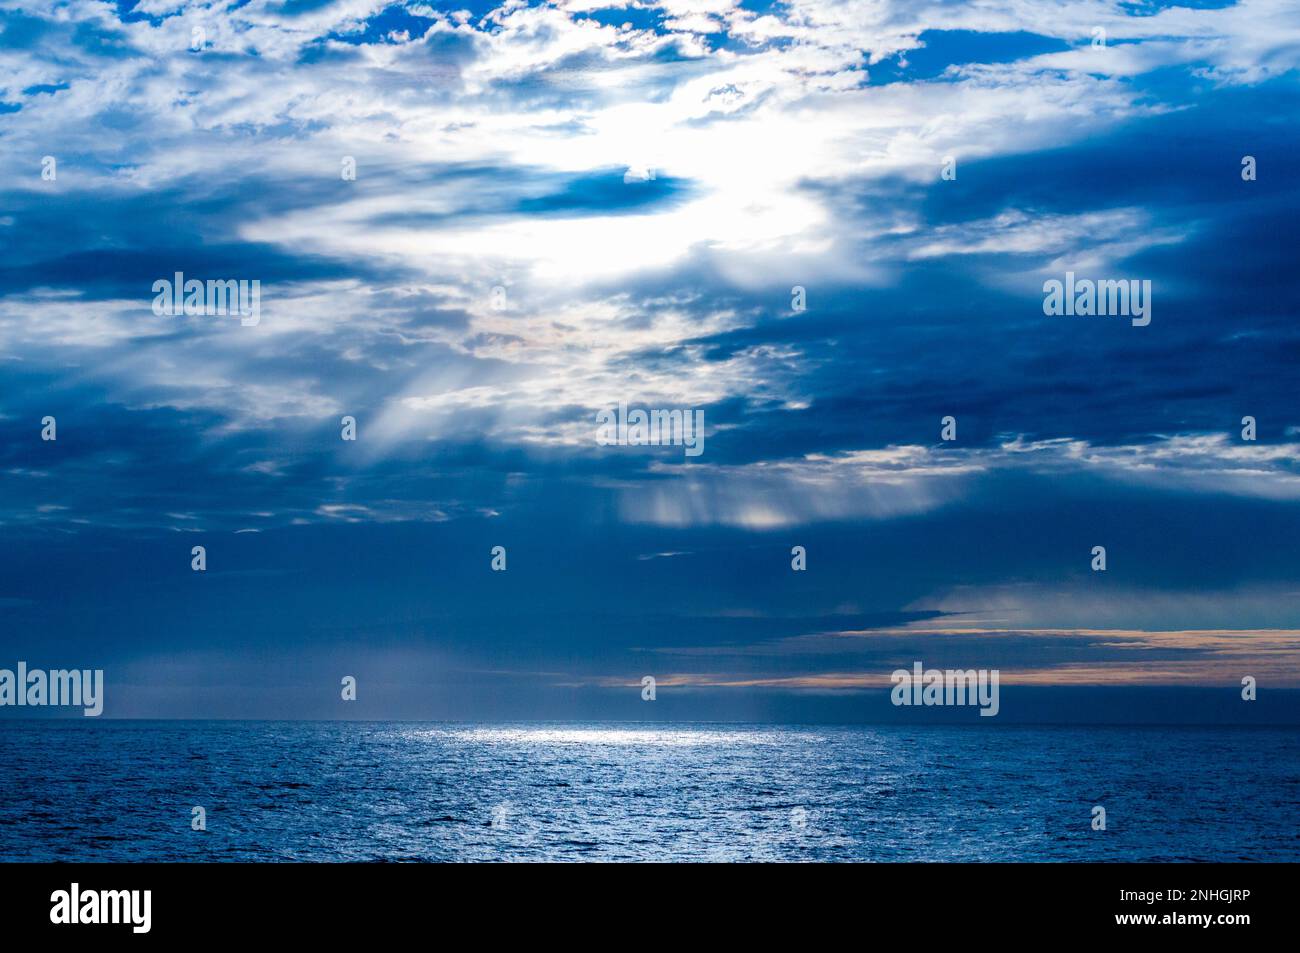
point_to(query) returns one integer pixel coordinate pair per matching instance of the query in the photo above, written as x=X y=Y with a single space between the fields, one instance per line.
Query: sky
x=477 y=226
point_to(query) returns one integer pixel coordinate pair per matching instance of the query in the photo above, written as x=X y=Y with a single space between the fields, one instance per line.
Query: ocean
x=405 y=791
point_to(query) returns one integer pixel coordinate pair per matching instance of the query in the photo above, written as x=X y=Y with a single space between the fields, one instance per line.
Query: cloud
x=1022 y=656
x=901 y=481
x=561 y=206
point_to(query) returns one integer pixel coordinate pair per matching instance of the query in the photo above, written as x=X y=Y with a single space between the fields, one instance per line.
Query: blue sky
x=646 y=183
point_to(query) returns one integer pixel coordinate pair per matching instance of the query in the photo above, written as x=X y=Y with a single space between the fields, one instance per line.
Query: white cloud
x=900 y=481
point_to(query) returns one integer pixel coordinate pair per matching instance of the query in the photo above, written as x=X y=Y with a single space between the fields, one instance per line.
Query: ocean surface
x=406 y=791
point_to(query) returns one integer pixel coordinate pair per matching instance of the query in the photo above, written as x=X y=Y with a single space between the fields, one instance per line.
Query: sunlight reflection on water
x=637 y=737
